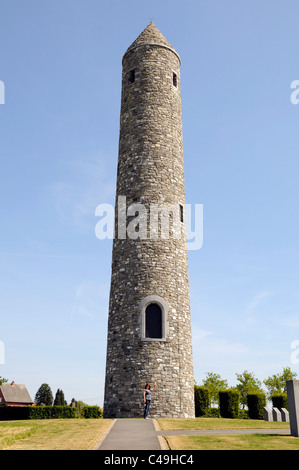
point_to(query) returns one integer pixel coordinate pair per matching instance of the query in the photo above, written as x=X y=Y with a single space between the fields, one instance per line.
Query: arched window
x=153 y=318
x=153 y=321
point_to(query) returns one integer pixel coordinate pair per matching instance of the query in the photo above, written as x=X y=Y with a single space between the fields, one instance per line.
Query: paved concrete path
x=141 y=434
x=131 y=434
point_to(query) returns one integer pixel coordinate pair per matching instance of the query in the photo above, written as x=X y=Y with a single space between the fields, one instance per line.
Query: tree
x=214 y=384
x=2 y=380
x=59 y=398
x=248 y=384
x=44 y=395
x=277 y=382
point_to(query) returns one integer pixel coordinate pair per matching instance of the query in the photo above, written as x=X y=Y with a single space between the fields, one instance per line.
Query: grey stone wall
x=150 y=171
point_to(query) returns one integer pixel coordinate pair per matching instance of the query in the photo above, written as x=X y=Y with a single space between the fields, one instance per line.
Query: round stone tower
x=149 y=324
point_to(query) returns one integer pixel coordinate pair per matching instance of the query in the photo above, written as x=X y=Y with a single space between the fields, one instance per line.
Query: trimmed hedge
x=212 y=413
x=65 y=412
x=280 y=400
x=229 y=403
x=92 y=412
x=202 y=401
x=48 y=412
x=14 y=413
x=256 y=403
x=40 y=412
x=243 y=414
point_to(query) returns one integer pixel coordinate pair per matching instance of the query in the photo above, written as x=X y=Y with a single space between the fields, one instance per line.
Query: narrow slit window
x=181 y=213
x=175 y=80
x=132 y=76
x=153 y=321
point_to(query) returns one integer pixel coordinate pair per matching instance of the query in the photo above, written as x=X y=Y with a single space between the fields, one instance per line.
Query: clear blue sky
x=60 y=62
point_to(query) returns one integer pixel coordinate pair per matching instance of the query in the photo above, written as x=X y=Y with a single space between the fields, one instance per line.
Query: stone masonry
x=149 y=268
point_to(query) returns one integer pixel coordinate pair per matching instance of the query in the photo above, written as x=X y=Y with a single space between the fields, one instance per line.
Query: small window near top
x=132 y=76
x=181 y=213
x=175 y=80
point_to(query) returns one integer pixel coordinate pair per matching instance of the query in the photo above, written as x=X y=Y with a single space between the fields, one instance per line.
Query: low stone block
x=276 y=414
x=293 y=401
x=285 y=415
x=268 y=415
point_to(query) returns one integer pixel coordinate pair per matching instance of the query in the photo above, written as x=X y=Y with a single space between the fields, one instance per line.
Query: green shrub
x=213 y=413
x=280 y=400
x=256 y=403
x=202 y=401
x=92 y=412
x=48 y=412
x=229 y=403
x=14 y=413
x=243 y=414
x=40 y=412
x=65 y=412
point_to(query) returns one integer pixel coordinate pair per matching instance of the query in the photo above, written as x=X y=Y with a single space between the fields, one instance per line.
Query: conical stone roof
x=151 y=35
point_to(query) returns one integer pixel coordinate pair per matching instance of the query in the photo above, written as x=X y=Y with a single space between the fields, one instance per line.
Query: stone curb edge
x=162 y=440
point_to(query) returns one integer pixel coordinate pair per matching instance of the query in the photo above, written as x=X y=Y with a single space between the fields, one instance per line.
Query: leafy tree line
x=248 y=383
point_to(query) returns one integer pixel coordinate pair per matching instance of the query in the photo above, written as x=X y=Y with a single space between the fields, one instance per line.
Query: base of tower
x=133 y=416
x=163 y=405
x=118 y=414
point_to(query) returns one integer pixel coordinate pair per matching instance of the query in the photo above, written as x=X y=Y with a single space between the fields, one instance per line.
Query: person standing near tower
x=147 y=396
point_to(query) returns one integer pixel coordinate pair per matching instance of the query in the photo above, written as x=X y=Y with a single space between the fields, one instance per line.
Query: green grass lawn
x=83 y=434
x=224 y=441
x=52 y=434
x=233 y=442
x=219 y=423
